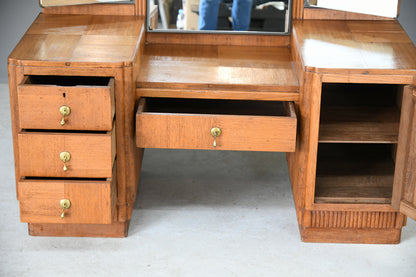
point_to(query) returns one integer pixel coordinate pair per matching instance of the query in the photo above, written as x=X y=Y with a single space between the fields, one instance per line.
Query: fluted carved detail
x=297 y=9
x=348 y=219
x=141 y=7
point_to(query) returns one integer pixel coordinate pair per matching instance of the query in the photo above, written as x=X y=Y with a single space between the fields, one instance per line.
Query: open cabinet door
x=404 y=189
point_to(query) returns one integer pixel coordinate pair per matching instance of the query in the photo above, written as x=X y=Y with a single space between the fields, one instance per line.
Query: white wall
x=407 y=18
x=17 y=15
x=15 y=18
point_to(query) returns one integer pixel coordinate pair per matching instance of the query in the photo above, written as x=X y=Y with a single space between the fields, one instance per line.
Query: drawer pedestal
x=67 y=161
x=72 y=101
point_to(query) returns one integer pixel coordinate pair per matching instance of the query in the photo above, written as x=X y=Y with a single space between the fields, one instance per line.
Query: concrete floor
x=198 y=213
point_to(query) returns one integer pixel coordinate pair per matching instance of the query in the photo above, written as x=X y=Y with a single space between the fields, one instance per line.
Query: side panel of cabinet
x=404 y=192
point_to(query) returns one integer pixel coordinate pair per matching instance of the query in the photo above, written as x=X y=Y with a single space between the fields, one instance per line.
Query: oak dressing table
x=90 y=89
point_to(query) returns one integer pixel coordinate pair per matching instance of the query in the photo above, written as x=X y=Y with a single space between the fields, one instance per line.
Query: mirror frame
x=299 y=12
x=57 y=3
x=139 y=8
x=174 y=31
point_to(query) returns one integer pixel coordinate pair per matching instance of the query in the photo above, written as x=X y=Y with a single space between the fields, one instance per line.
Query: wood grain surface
x=92 y=107
x=113 y=230
x=359 y=125
x=191 y=130
x=351 y=235
x=87 y=40
x=218 y=68
x=92 y=202
x=92 y=155
x=232 y=39
x=361 y=47
x=93 y=9
x=404 y=195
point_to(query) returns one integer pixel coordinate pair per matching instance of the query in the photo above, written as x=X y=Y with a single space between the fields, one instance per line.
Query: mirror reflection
x=386 y=8
x=219 y=15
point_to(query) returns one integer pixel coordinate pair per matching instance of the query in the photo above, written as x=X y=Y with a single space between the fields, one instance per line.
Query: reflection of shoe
x=276 y=4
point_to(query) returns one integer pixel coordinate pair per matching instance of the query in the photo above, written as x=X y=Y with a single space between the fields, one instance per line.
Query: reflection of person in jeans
x=240 y=13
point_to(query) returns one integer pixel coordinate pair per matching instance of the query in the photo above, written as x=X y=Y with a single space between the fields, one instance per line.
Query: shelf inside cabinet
x=359 y=125
x=355 y=173
x=360 y=113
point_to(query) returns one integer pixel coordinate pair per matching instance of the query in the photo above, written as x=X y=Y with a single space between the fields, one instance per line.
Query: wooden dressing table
x=90 y=89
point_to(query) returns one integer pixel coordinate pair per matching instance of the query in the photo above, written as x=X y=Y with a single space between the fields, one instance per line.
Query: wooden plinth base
x=350 y=235
x=114 y=230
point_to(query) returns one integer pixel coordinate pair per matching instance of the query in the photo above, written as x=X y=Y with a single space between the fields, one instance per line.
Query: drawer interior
x=214 y=106
x=66 y=80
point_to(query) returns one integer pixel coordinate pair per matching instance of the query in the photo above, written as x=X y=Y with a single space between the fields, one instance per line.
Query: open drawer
x=216 y=124
x=66 y=103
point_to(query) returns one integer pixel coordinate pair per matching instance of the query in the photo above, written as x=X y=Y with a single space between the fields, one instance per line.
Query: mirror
x=248 y=16
x=386 y=8
x=50 y=3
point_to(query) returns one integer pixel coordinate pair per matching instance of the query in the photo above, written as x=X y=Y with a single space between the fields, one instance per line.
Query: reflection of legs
x=241 y=14
x=208 y=14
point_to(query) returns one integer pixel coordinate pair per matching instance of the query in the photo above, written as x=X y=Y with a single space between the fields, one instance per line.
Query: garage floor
x=198 y=213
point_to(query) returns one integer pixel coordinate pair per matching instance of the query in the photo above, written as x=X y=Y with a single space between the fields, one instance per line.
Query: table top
x=112 y=41
x=217 y=67
x=80 y=40
x=341 y=46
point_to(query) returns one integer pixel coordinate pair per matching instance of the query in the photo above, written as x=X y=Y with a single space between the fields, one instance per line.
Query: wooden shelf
x=354 y=189
x=355 y=174
x=359 y=125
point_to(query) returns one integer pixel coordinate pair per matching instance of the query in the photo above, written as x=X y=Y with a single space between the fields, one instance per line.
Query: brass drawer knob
x=65 y=157
x=64 y=204
x=65 y=111
x=215 y=132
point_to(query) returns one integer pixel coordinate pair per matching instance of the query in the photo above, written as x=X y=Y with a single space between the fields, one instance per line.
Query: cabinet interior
x=354 y=173
x=358 y=135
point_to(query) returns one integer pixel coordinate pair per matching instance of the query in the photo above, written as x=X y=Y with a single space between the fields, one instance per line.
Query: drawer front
x=91 y=107
x=91 y=202
x=91 y=155
x=238 y=132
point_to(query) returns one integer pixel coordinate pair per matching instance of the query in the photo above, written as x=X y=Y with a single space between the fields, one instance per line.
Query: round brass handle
x=215 y=132
x=64 y=204
x=65 y=157
x=64 y=111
